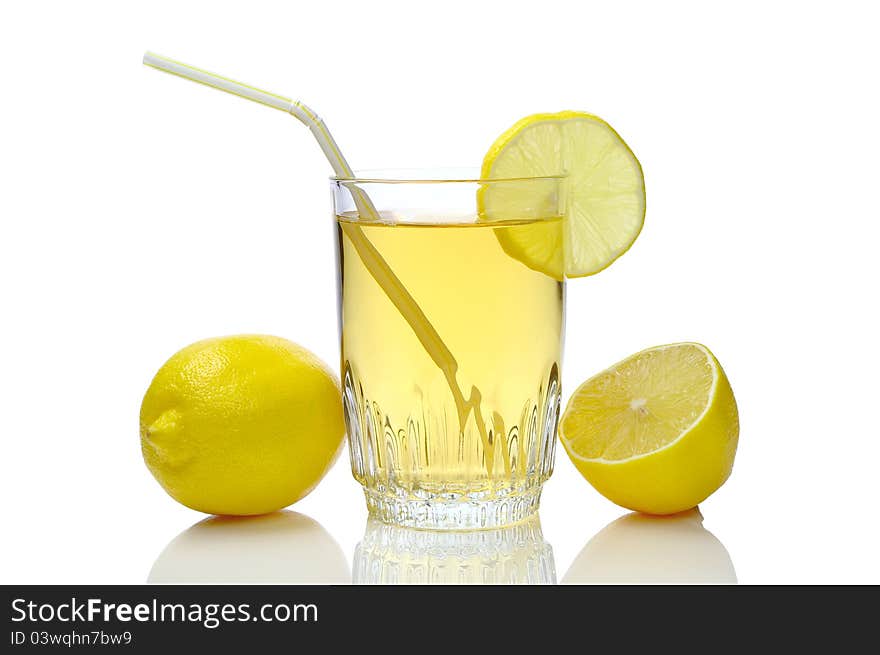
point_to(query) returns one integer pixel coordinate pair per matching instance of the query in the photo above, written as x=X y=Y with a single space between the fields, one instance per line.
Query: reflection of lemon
x=656 y=432
x=281 y=547
x=603 y=192
x=642 y=549
x=241 y=425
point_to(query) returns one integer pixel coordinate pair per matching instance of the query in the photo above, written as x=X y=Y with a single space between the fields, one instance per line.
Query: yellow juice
x=470 y=446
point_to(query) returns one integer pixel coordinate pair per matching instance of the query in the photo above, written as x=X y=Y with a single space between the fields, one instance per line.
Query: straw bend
x=297 y=109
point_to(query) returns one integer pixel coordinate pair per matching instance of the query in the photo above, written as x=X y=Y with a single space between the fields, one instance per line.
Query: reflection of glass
x=450 y=346
x=638 y=548
x=517 y=554
x=281 y=547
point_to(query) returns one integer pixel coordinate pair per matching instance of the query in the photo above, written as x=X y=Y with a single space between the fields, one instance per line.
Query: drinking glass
x=451 y=322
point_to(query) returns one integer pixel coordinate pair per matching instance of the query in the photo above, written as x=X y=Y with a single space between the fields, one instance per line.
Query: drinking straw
x=370 y=256
x=294 y=107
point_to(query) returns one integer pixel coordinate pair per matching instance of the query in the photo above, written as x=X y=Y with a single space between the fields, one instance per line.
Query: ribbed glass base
x=451 y=511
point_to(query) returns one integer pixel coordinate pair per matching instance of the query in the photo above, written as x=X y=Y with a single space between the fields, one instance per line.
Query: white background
x=141 y=213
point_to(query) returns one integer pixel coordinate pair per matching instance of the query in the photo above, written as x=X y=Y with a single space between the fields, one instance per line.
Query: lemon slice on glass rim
x=603 y=194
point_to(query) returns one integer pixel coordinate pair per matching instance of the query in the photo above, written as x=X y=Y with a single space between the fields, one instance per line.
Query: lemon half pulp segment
x=657 y=432
x=603 y=199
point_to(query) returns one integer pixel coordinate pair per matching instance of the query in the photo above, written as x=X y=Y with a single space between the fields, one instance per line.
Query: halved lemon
x=603 y=199
x=657 y=432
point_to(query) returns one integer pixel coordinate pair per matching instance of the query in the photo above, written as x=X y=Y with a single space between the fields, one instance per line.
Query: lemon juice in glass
x=451 y=306
x=451 y=346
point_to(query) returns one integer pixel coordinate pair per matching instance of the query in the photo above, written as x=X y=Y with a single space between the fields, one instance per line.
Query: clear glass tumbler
x=451 y=320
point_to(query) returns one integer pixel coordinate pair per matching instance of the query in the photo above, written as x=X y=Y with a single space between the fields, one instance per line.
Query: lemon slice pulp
x=603 y=192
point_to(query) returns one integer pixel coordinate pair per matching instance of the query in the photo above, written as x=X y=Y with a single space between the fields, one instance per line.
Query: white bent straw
x=370 y=256
x=294 y=107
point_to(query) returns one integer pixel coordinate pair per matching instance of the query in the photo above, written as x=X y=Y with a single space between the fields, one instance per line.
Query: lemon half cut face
x=657 y=432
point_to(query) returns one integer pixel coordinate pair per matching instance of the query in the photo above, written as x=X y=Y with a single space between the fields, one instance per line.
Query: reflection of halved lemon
x=642 y=549
x=603 y=194
x=656 y=432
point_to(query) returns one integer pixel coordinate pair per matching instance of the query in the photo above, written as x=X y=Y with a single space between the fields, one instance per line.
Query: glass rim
x=431 y=176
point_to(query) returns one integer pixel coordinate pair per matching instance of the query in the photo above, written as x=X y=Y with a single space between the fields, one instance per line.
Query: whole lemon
x=241 y=425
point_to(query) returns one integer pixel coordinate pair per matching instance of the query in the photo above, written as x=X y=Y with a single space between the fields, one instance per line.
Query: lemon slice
x=656 y=432
x=604 y=192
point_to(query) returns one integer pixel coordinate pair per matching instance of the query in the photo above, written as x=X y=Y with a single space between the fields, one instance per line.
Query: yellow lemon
x=603 y=192
x=242 y=424
x=656 y=432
